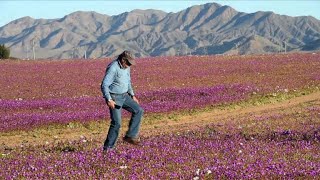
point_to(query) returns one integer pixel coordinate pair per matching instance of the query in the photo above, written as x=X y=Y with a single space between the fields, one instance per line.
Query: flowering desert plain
x=206 y=117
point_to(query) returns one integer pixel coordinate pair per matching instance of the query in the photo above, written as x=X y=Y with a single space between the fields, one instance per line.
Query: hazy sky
x=14 y=9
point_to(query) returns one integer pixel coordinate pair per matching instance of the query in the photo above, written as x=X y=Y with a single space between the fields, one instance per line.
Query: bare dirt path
x=97 y=130
x=219 y=116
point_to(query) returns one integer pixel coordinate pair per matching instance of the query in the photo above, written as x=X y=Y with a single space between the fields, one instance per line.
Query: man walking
x=117 y=90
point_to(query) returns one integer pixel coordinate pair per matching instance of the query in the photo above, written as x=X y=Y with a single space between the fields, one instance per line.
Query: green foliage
x=4 y=52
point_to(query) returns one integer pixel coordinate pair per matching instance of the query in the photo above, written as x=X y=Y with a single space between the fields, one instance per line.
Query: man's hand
x=111 y=104
x=135 y=99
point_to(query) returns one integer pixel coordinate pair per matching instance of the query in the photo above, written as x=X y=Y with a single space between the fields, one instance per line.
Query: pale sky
x=14 y=9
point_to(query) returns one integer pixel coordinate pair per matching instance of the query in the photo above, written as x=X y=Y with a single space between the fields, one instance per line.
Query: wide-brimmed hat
x=127 y=55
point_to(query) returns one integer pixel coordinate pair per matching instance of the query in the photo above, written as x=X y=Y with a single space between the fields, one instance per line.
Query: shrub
x=4 y=52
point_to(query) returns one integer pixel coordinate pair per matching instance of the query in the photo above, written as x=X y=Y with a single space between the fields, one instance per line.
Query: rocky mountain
x=203 y=29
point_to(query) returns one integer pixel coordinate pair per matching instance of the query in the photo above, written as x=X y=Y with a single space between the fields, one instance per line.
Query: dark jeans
x=126 y=102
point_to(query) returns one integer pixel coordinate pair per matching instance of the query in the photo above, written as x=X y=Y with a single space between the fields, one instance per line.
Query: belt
x=118 y=94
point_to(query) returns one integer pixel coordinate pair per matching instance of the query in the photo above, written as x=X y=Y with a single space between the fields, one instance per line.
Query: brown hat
x=127 y=55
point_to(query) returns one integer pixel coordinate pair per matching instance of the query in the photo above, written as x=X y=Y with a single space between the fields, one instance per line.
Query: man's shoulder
x=113 y=65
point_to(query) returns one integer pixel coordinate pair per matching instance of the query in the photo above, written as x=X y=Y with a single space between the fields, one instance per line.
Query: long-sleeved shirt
x=117 y=80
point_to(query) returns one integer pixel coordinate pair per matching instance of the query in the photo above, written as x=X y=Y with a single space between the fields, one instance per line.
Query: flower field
x=273 y=143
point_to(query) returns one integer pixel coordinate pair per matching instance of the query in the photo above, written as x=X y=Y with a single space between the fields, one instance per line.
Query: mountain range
x=203 y=29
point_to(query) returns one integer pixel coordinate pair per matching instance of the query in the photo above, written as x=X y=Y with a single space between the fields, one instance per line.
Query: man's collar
x=120 y=64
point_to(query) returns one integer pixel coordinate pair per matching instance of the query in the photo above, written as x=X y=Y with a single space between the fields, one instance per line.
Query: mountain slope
x=203 y=29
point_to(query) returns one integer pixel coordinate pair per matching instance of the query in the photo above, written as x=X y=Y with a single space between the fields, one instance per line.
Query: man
x=117 y=90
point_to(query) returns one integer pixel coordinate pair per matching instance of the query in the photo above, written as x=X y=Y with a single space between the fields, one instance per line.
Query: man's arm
x=130 y=89
x=107 y=81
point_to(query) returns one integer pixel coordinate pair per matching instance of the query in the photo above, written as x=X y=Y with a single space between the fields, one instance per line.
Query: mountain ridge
x=202 y=29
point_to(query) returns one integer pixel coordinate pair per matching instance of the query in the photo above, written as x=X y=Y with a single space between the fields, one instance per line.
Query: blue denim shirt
x=117 y=80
